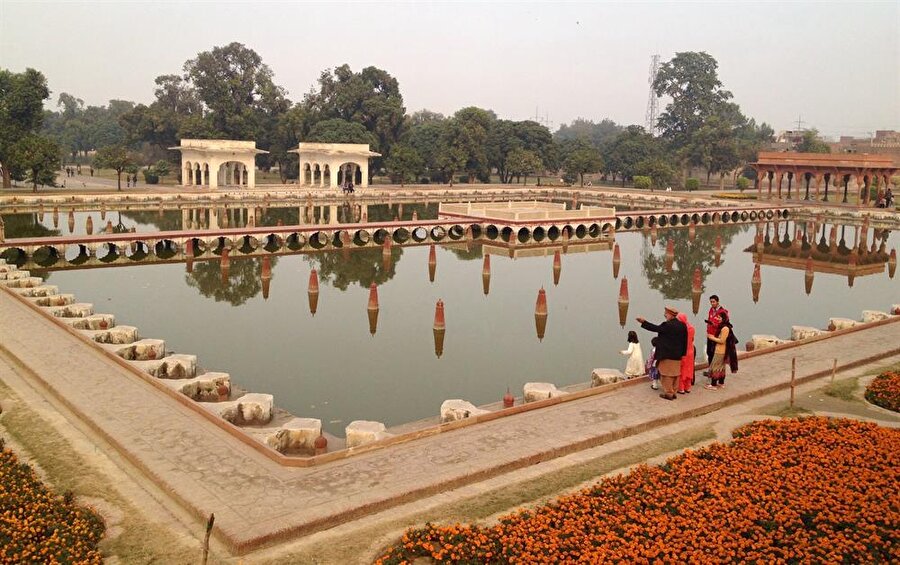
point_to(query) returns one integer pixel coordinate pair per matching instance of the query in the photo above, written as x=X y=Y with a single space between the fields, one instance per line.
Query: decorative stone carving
x=541 y=391
x=805 y=332
x=763 y=342
x=361 y=432
x=56 y=300
x=869 y=316
x=205 y=388
x=95 y=322
x=841 y=323
x=252 y=408
x=176 y=366
x=143 y=350
x=117 y=335
x=298 y=433
x=601 y=377
x=77 y=310
x=32 y=292
x=456 y=409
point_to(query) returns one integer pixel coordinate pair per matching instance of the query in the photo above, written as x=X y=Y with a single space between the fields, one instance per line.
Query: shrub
x=884 y=391
x=811 y=490
x=743 y=183
x=691 y=184
x=150 y=176
x=643 y=182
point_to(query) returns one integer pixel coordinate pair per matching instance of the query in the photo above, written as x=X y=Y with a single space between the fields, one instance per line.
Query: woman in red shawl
x=687 y=362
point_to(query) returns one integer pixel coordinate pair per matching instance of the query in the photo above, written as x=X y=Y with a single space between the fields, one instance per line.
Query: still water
x=330 y=366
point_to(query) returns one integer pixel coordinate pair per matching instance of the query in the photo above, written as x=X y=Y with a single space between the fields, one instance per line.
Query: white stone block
x=208 y=387
x=95 y=322
x=601 y=377
x=299 y=433
x=805 y=332
x=43 y=290
x=895 y=309
x=15 y=275
x=758 y=341
x=55 y=300
x=361 y=432
x=841 y=323
x=143 y=350
x=117 y=335
x=25 y=282
x=869 y=316
x=456 y=409
x=541 y=391
x=175 y=366
x=252 y=408
x=77 y=310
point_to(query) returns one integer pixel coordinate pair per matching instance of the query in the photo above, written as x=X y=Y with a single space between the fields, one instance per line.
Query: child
x=652 y=369
x=634 y=367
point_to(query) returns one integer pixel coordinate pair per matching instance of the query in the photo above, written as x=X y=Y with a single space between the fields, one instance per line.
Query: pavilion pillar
x=779 y=175
x=818 y=178
x=846 y=180
x=333 y=214
x=808 y=178
x=768 y=173
x=790 y=179
x=860 y=185
x=365 y=174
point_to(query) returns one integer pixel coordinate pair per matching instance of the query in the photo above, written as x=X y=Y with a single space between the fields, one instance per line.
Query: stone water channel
x=328 y=363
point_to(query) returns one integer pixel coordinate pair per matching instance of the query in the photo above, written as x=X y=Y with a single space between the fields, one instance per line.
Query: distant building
x=884 y=142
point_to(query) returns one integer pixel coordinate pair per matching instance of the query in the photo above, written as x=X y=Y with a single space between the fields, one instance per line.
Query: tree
x=370 y=98
x=810 y=142
x=403 y=163
x=237 y=88
x=22 y=98
x=506 y=136
x=427 y=139
x=522 y=162
x=39 y=156
x=582 y=161
x=340 y=131
x=742 y=183
x=632 y=146
x=114 y=157
x=465 y=140
x=598 y=135
x=661 y=172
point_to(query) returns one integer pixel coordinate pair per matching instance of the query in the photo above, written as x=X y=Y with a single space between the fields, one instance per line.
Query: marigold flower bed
x=885 y=391
x=36 y=526
x=809 y=490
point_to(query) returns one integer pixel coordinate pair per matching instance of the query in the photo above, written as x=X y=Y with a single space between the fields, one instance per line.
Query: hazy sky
x=836 y=65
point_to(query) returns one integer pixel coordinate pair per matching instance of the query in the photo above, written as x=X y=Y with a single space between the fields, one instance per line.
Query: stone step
x=175 y=366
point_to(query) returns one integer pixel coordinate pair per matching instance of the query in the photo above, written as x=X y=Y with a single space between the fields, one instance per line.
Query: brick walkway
x=256 y=500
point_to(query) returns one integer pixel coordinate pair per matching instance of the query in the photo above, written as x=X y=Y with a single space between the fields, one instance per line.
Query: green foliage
x=506 y=136
x=22 y=98
x=337 y=130
x=743 y=183
x=522 y=162
x=115 y=157
x=691 y=184
x=38 y=156
x=642 y=182
x=596 y=135
x=630 y=148
x=404 y=163
x=661 y=172
x=583 y=161
x=812 y=143
x=150 y=176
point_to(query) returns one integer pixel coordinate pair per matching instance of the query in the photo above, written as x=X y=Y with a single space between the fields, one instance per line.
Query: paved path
x=256 y=500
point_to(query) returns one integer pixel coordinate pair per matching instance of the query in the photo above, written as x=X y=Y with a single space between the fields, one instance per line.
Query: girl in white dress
x=634 y=367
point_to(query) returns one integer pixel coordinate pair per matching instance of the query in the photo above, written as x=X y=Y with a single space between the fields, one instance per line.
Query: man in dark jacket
x=670 y=349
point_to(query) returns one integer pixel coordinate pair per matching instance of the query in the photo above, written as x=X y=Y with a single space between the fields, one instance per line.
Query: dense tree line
x=230 y=93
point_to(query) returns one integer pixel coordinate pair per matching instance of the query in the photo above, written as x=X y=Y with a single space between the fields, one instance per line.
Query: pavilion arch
x=331 y=165
x=218 y=162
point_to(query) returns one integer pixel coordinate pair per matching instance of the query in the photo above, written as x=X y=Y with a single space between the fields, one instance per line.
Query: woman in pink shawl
x=687 y=362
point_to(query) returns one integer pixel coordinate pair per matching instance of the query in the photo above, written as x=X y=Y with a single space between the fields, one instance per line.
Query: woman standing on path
x=634 y=367
x=687 y=362
x=717 y=367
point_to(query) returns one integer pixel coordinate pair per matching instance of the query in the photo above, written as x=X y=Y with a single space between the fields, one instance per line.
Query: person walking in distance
x=686 y=380
x=712 y=327
x=670 y=348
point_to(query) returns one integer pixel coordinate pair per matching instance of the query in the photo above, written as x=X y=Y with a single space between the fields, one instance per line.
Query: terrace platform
x=257 y=501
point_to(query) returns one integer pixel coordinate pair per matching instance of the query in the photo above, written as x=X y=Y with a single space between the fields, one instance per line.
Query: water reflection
x=234 y=282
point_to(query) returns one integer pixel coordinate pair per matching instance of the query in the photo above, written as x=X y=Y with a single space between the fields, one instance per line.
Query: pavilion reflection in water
x=821 y=247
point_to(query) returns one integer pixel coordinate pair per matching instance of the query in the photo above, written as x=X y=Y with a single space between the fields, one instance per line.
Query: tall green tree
x=632 y=146
x=427 y=138
x=115 y=157
x=810 y=142
x=583 y=161
x=465 y=142
x=404 y=163
x=596 y=134
x=523 y=162
x=22 y=98
x=38 y=155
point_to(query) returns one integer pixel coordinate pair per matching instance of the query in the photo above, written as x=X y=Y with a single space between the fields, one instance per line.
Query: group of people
x=130 y=180
x=671 y=360
x=72 y=171
x=347 y=187
x=885 y=200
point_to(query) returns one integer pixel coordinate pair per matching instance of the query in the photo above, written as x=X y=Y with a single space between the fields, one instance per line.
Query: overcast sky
x=833 y=65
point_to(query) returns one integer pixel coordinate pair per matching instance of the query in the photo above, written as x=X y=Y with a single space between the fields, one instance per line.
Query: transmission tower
x=653 y=100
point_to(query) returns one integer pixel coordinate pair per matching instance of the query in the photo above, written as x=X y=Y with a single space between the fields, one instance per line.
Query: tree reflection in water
x=689 y=255
x=243 y=283
x=362 y=267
